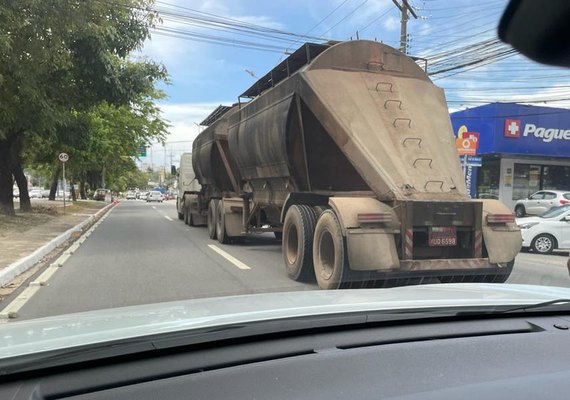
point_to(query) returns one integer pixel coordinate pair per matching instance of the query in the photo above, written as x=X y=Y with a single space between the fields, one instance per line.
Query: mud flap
x=232 y=218
x=503 y=242
x=369 y=249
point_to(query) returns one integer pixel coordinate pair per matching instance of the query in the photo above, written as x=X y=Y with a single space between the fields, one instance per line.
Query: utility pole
x=404 y=8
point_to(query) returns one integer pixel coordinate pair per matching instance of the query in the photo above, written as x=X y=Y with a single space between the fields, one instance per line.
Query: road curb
x=23 y=264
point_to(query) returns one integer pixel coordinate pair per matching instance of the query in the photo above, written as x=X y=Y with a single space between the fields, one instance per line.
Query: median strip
x=229 y=257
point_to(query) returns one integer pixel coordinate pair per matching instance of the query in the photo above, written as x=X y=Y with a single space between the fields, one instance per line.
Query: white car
x=540 y=202
x=154 y=195
x=143 y=195
x=131 y=195
x=35 y=194
x=548 y=232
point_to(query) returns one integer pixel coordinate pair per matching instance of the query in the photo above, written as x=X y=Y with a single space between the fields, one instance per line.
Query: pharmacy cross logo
x=512 y=128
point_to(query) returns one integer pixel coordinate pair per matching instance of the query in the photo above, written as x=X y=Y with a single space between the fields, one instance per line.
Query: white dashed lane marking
x=229 y=257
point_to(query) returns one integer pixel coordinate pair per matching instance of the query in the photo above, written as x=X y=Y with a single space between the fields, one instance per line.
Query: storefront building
x=523 y=149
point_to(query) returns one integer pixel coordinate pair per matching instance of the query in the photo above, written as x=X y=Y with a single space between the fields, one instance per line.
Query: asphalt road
x=141 y=253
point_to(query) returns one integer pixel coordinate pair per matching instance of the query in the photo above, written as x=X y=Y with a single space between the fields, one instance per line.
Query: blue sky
x=204 y=75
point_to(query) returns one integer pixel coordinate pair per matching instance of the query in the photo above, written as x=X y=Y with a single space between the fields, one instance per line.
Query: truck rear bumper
x=448 y=264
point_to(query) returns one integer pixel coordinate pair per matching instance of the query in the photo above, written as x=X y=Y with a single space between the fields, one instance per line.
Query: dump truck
x=346 y=151
x=188 y=192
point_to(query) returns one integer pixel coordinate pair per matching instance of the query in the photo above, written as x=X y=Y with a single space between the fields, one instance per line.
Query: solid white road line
x=168 y=218
x=229 y=257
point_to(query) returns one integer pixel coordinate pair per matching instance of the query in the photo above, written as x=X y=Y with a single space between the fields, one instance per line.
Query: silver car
x=154 y=195
x=540 y=202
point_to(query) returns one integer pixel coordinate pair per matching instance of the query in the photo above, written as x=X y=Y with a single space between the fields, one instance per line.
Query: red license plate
x=442 y=236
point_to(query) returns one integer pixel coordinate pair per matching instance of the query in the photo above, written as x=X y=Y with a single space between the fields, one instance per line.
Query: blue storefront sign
x=515 y=130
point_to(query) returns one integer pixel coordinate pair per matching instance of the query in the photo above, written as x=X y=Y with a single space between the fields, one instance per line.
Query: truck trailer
x=346 y=151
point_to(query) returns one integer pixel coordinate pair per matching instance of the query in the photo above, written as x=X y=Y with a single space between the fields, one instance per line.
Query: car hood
x=526 y=220
x=71 y=330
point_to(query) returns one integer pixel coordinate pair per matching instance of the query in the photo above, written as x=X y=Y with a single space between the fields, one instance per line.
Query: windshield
x=555 y=212
x=159 y=151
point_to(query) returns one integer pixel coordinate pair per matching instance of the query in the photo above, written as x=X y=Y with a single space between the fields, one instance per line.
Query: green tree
x=60 y=57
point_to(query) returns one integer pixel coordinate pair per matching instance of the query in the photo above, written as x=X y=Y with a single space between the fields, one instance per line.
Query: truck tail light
x=500 y=218
x=562 y=201
x=371 y=218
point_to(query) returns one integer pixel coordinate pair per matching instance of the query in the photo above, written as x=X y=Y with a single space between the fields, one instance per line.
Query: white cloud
x=391 y=23
x=184 y=117
x=262 y=20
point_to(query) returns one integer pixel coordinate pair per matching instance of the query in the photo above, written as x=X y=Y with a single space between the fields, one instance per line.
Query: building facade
x=523 y=149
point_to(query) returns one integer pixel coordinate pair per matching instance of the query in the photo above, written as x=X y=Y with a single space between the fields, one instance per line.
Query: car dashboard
x=507 y=357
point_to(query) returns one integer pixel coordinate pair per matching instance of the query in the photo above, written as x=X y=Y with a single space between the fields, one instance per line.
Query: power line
x=376 y=19
x=345 y=17
x=326 y=17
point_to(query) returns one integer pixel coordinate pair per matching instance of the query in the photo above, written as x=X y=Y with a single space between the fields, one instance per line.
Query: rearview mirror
x=538 y=30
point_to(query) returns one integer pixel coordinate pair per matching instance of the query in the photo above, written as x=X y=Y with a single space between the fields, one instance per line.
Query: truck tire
x=329 y=252
x=180 y=214
x=212 y=215
x=297 y=242
x=188 y=217
x=320 y=209
x=221 y=233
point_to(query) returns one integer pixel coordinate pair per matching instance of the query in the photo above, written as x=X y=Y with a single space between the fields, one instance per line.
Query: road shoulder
x=30 y=240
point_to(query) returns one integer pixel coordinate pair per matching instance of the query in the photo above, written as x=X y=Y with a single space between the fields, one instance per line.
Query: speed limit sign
x=63 y=157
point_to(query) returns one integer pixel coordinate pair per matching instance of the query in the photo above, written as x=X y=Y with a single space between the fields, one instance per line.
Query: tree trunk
x=22 y=181
x=72 y=190
x=18 y=173
x=6 y=183
x=82 y=193
x=54 y=181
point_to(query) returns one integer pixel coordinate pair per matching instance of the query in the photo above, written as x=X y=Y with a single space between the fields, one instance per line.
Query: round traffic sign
x=63 y=157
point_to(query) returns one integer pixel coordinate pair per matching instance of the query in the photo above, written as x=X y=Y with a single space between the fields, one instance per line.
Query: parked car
x=540 y=202
x=35 y=194
x=131 y=195
x=548 y=232
x=100 y=194
x=488 y=196
x=154 y=195
x=143 y=195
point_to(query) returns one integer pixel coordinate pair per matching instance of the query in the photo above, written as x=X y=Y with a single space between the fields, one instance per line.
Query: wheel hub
x=543 y=244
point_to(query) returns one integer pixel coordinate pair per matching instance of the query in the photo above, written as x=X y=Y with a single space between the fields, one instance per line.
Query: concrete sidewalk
x=24 y=234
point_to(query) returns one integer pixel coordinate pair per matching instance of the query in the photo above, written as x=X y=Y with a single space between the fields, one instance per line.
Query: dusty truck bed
x=344 y=123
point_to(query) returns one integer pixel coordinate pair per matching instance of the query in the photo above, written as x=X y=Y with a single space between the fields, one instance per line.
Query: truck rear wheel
x=212 y=215
x=190 y=218
x=329 y=254
x=221 y=233
x=297 y=244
